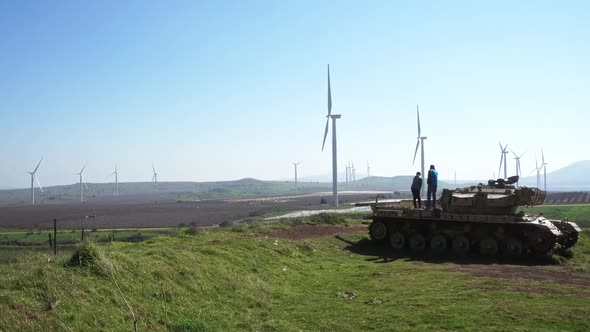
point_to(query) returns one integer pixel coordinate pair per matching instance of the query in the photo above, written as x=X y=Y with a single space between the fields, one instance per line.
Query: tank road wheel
x=488 y=246
x=541 y=242
x=460 y=245
x=378 y=231
x=417 y=242
x=397 y=240
x=438 y=244
x=512 y=247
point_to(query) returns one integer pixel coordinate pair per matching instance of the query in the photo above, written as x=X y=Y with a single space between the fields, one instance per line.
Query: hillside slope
x=253 y=278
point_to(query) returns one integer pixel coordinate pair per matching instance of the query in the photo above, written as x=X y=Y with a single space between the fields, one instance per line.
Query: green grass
x=19 y=237
x=238 y=278
x=579 y=213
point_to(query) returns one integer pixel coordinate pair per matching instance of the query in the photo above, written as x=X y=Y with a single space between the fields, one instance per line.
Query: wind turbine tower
x=544 y=165
x=420 y=143
x=116 y=174
x=295 y=164
x=82 y=182
x=518 y=169
x=334 y=117
x=368 y=169
x=155 y=177
x=504 y=152
x=33 y=180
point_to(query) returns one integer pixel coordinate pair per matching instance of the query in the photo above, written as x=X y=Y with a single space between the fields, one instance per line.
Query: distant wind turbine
x=518 y=169
x=295 y=164
x=116 y=174
x=504 y=152
x=538 y=170
x=334 y=117
x=420 y=143
x=155 y=177
x=33 y=180
x=368 y=169
x=544 y=165
x=82 y=182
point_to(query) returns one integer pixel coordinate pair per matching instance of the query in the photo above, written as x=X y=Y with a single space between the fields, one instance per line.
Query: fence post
x=50 y=243
x=54 y=236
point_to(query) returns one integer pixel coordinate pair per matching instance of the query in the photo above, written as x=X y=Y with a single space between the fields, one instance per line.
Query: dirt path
x=538 y=273
x=312 y=231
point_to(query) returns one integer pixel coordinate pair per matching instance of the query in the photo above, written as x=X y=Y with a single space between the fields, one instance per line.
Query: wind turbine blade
x=85 y=185
x=542 y=157
x=154 y=168
x=39 y=184
x=325 y=133
x=38 y=164
x=84 y=167
x=329 y=93
x=153 y=177
x=500 y=146
x=416 y=152
x=418 y=115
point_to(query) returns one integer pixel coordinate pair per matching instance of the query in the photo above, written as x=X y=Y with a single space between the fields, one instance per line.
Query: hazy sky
x=223 y=90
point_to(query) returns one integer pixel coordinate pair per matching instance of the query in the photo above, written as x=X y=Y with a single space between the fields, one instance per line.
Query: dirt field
x=135 y=213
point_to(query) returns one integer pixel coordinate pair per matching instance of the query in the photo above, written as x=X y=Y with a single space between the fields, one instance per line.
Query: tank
x=481 y=218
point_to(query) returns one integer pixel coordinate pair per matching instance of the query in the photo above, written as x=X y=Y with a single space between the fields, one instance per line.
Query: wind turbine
x=504 y=152
x=420 y=143
x=82 y=181
x=295 y=164
x=116 y=174
x=33 y=179
x=346 y=172
x=353 y=172
x=155 y=177
x=537 y=169
x=334 y=117
x=544 y=166
x=368 y=169
x=518 y=169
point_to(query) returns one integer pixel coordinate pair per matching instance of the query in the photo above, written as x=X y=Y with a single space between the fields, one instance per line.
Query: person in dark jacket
x=432 y=182
x=416 y=188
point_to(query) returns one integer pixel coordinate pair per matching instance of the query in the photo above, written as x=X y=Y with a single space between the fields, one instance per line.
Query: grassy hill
x=253 y=278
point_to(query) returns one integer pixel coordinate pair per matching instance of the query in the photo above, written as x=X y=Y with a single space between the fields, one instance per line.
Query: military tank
x=481 y=218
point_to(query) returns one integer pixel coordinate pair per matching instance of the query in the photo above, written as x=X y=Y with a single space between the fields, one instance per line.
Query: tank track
x=536 y=235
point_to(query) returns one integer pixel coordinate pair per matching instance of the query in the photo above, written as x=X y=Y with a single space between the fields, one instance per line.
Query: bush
x=89 y=256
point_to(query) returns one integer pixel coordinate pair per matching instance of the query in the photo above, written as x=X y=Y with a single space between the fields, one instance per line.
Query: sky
x=223 y=90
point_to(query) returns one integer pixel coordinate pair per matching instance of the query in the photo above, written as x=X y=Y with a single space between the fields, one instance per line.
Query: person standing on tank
x=432 y=182
x=416 y=188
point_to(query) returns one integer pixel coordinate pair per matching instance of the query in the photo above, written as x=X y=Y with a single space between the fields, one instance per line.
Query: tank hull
x=460 y=233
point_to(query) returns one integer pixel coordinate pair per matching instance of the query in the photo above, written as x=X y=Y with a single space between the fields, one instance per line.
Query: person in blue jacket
x=432 y=182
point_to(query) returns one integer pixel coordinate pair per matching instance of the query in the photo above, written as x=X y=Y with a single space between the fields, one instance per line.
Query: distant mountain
x=574 y=177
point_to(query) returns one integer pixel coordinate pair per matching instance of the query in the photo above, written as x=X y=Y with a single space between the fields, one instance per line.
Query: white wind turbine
x=537 y=169
x=347 y=176
x=420 y=143
x=33 y=180
x=116 y=174
x=334 y=152
x=504 y=152
x=518 y=169
x=368 y=169
x=295 y=164
x=544 y=166
x=155 y=177
x=82 y=181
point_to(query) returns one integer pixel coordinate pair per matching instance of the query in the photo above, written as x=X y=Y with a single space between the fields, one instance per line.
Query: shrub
x=89 y=256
